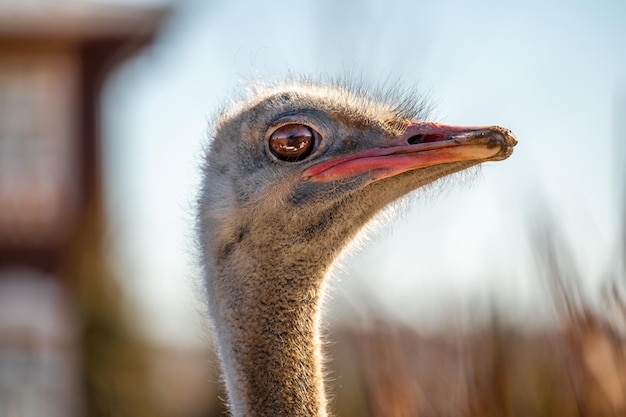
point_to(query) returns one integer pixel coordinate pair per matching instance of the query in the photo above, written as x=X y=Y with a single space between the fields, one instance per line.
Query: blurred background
x=499 y=292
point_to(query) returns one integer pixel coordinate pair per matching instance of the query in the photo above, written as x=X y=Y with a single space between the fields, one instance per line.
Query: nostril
x=415 y=139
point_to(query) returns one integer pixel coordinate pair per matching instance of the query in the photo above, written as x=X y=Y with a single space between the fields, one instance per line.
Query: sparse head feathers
x=386 y=104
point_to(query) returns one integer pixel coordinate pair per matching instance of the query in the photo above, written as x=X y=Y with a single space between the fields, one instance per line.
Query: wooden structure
x=54 y=60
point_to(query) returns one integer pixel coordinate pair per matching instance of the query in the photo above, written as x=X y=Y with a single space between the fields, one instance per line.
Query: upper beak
x=423 y=144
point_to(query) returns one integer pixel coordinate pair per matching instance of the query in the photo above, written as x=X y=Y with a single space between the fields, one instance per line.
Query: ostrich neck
x=266 y=316
x=264 y=288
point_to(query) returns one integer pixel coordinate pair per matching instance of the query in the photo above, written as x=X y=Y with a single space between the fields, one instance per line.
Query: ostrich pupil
x=292 y=142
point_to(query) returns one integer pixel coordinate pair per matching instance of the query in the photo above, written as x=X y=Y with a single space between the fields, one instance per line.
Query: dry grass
x=576 y=368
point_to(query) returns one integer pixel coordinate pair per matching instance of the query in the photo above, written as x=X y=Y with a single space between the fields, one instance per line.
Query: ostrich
x=291 y=175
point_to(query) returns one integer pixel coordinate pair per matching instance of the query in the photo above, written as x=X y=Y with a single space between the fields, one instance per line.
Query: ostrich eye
x=292 y=143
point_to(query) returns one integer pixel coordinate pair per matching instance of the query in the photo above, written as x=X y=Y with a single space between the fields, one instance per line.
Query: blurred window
x=38 y=149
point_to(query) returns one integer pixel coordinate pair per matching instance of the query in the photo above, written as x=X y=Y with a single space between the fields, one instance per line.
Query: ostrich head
x=291 y=176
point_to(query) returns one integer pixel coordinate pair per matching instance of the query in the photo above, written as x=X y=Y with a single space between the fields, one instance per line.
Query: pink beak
x=423 y=144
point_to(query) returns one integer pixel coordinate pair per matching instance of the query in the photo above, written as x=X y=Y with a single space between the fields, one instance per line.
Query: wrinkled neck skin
x=265 y=284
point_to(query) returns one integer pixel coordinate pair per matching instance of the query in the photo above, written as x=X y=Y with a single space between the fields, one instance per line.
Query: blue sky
x=550 y=71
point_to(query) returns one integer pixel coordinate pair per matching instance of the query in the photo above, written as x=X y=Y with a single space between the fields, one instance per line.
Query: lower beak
x=423 y=144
